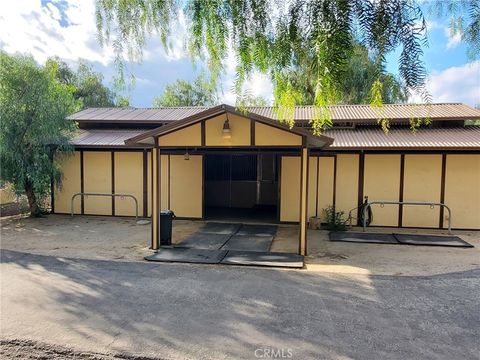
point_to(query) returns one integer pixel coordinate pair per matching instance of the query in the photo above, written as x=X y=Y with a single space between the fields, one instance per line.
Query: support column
x=155 y=197
x=303 y=202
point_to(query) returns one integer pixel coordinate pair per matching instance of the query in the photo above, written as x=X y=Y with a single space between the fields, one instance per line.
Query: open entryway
x=241 y=187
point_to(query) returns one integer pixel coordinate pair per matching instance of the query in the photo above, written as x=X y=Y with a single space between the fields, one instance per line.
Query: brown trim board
x=113 y=181
x=82 y=183
x=145 y=183
x=400 y=195
x=442 y=189
x=334 y=182
x=202 y=133
x=361 y=176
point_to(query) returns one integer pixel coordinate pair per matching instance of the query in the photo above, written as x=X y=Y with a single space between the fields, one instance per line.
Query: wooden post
x=155 y=197
x=303 y=202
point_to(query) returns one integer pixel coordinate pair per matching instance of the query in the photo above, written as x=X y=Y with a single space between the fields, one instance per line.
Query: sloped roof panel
x=402 y=138
x=350 y=113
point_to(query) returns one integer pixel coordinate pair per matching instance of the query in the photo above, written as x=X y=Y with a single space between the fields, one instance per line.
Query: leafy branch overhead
x=277 y=37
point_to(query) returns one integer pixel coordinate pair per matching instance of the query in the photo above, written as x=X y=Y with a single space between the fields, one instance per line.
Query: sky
x=66 y=28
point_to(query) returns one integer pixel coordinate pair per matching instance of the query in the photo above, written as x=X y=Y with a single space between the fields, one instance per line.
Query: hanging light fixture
x=186 y=156
x=226 y=132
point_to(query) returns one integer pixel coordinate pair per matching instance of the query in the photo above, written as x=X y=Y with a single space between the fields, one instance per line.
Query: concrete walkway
x=178 y=311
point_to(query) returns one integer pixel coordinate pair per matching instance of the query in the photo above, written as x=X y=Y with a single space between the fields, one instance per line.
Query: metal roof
x=403 y=138
x=148 y=137
x=355 y=113
x=129 y=114
x=344 y=139
x=103 y=137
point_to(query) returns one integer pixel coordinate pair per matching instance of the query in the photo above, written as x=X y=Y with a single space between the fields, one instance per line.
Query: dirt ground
x=26 y=349
x=96 y=237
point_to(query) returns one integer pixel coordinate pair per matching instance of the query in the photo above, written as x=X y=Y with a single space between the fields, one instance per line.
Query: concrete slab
x=431 y=240
x=249 y=243
x=257 y=230
x=361 y=237
x=263 y=258
x=188 y=255
x=219 y=228
x=205 y=241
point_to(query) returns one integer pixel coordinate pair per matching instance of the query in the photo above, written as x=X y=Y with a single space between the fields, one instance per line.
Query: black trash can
x=166 y=217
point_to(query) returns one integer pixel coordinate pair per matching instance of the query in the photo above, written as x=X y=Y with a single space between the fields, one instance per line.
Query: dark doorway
x=241 y=187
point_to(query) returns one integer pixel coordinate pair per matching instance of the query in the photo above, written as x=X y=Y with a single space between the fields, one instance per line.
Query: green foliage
x=33 y=128
x=276 y=37
x=335 y=219
x=88 y=84
x=200 y=92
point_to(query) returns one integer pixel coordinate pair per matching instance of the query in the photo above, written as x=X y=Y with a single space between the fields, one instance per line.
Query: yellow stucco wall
x=186 y=190
x=164 y=181
x=128 y=180
x=239 y=125
x=189 y=136
x=155 y=208
x=422 y=182
x=149 y=183
x=346 y=194
x=382 y=182
x=266 y=135
x=97 y=178
x=70 y=184
x=312 y=186
x=326 y=167
x=462 y=191
x=290 y=188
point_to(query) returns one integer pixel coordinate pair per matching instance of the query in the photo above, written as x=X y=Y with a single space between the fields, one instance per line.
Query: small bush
x=335 y=219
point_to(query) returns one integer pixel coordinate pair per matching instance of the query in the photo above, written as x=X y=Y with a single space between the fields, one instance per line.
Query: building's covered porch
x=221 y=165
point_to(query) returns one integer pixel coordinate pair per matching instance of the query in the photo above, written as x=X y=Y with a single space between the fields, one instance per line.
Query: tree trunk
x=32 y=199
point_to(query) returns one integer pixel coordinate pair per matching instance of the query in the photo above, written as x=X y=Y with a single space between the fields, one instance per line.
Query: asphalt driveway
x=209 y=312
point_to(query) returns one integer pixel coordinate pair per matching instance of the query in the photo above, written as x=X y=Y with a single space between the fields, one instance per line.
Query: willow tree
x=274 y=37
x=33 y=127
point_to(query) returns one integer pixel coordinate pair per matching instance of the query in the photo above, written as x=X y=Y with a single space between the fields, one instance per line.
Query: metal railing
x=104 y=194
x=382 y=203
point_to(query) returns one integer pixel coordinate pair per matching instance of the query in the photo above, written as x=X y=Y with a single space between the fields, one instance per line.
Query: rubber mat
x=431 y=240
x=219 y=228
x=361 y=237
x=249 y=243
x=262 y=258
x=188 y=255
x=208 y=241
x=258 y=230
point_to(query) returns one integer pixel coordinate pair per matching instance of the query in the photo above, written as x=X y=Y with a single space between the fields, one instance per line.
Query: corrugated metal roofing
x=368 y=138
x=103 y=137
x=136 y=114
x=359 y=113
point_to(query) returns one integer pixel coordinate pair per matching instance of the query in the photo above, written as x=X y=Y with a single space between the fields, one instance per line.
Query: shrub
x=335 y=219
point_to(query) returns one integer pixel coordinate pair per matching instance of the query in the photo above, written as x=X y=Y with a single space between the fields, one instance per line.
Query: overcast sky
x=66 y=28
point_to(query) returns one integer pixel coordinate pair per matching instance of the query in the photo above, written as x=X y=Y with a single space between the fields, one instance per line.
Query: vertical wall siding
x=165 y=182
x=326 y=173
x=97 y=178
x=290 y=189
x=422 y=182
x=462 y=190
x=346 y=189
x=128 y=180
x=186 y=190
x=382 y=182
x=149 y=184
x=70 y=184
x=312 y=186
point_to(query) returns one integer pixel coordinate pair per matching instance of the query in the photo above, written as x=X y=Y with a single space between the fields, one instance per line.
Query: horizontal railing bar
x=104 y=194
